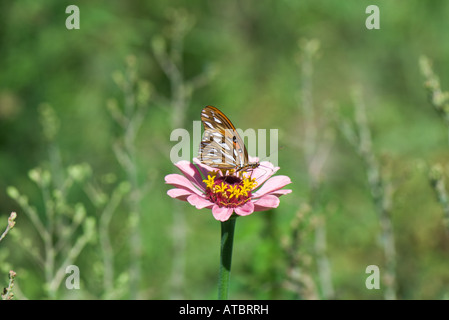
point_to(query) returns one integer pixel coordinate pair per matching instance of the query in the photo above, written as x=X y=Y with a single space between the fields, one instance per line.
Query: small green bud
x=80 y=213
x=13 y=192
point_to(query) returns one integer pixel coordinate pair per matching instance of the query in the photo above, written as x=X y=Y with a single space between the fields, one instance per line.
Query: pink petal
x=245 y=210
x=266 y=202
x=199 y=202
x=271 y=185
x=204 y=168
x=264 y=173
x=221 y=214
x=191 y=172
x=180 y=194
x=281 y=192
x=253 y=159
x=181 y=182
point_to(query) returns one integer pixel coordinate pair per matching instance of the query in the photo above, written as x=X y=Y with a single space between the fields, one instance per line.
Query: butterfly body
x=221 y=146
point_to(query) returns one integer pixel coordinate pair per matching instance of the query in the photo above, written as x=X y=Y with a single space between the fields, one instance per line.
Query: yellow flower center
x=229 y=191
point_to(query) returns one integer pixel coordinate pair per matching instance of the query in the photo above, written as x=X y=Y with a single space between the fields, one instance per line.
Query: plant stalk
x=227 y=240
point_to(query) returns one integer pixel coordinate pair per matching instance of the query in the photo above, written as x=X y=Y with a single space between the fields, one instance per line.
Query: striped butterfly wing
x=221 y=146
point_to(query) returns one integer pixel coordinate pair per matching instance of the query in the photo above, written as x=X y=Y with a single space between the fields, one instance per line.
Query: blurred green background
x=59 y=86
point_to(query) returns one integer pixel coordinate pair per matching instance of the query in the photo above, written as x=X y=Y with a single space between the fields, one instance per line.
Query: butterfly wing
x=221 y=146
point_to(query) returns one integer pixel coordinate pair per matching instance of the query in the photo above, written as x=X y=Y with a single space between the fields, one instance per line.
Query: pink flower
x=242 y=194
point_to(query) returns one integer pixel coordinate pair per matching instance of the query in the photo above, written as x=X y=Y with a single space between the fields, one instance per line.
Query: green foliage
x=85 y=123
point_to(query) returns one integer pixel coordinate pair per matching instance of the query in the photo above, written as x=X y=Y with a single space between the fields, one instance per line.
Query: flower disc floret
x=228 y=191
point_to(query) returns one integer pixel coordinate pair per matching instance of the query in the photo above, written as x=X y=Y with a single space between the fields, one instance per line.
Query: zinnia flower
x=242 y=193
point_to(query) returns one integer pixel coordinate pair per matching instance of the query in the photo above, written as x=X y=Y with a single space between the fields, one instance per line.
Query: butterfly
x=221 y=146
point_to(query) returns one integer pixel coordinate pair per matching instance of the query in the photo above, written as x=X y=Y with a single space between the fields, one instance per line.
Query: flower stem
x=227 y=239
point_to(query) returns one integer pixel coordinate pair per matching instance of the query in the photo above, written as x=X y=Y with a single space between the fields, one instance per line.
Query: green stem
x=227 y=239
